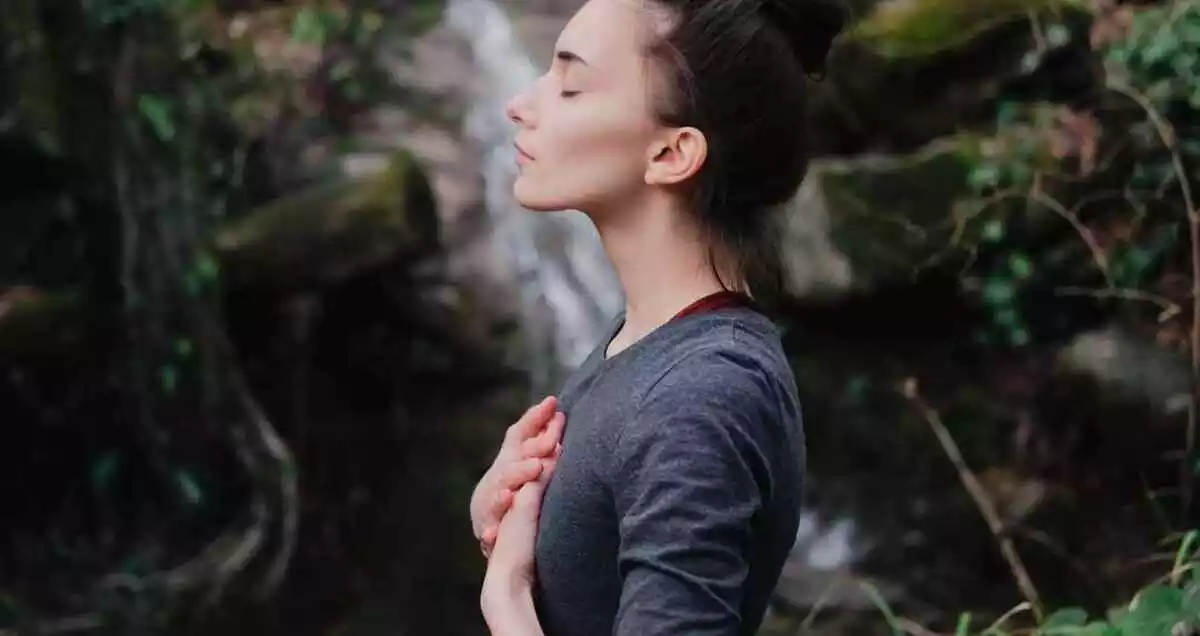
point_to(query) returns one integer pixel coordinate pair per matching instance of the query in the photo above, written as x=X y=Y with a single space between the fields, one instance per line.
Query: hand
x=510 y=572
x=530 y=445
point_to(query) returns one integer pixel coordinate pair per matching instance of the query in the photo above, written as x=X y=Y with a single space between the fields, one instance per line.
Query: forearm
x=510 y=612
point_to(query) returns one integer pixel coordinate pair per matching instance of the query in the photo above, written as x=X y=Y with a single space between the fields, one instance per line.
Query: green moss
x=889 y=215
x=912 y=28
x=346 y=219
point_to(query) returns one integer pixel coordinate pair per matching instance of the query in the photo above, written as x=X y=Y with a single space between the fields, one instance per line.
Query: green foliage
x=1080 y=211
x=1158 y=65
x=1159 y=609
x=158 y=107
x=1088 y=199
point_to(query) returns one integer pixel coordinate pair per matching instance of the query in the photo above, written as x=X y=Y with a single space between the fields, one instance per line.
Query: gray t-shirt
x=677 y=496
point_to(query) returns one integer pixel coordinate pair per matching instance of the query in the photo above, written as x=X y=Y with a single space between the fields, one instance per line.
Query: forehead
x=608 y=34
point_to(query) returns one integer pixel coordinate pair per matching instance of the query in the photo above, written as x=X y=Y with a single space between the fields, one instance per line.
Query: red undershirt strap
x=715 y=301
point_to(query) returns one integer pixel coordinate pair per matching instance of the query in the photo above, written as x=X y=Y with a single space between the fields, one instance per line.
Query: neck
x=661 y=259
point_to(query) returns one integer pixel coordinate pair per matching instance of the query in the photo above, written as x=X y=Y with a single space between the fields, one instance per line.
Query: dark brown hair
x=738 y=70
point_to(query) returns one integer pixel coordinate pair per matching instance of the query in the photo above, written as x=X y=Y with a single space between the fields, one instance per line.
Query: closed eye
x=568 y=94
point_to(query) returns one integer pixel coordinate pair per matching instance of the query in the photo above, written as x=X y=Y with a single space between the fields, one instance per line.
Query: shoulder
x=729 y=362
x=724 y=411
x=734 y=379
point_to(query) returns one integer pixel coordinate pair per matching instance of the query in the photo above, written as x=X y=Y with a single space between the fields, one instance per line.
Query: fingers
x=548 y=466
x=532 y=421
x=543 y=445
x=487 y=541
x=520 y=473
x=501 y=503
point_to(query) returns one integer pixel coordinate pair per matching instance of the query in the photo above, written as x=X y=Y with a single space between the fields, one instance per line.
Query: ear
x=676 y=156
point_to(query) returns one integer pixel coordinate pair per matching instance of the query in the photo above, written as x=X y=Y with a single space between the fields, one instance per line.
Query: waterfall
x=568 y=291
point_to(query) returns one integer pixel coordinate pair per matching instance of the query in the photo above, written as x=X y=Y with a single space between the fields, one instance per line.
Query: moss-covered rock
x=329 y=232
x=911 y=71
x=913 y=28
x=886 y=216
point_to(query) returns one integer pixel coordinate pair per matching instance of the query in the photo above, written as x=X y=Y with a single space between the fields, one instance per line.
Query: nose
x=517 y=109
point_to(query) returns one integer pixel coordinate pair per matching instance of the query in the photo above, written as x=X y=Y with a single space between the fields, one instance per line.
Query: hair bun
x=810 y=26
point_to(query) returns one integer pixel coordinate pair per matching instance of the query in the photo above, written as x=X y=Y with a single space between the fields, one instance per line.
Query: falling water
x=567 y=286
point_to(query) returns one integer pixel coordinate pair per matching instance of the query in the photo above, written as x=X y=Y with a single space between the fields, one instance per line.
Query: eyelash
x=568 y=94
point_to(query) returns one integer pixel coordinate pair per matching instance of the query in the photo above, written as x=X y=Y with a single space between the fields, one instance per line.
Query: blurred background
x=266 y=308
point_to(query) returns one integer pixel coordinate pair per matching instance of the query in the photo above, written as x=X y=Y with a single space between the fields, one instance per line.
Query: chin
x=531 y=199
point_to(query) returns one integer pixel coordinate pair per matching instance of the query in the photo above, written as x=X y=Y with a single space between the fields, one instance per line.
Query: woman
x=677 y=127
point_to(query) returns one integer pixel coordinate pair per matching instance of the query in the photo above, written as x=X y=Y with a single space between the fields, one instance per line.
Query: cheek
x=586 y=155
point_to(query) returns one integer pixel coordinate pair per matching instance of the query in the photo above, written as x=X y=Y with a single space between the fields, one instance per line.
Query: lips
x=522 y=156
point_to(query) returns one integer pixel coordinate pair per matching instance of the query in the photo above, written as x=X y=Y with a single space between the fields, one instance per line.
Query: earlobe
x=677 y=158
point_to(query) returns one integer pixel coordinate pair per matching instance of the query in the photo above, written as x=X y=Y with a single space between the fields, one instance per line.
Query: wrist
x=507 y=604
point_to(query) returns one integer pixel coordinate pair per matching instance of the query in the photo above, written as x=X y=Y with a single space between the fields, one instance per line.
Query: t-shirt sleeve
x=690 y=476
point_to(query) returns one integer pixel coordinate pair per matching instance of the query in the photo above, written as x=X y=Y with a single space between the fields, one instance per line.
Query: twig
x=1035 y=29
x=986 y=507
x=912 y=628
x=822 y=600
x=1084 y=233
x=994 y=628
x=1167 y=133
x=82 y=623
x=1169 y=309
x=1086 y=575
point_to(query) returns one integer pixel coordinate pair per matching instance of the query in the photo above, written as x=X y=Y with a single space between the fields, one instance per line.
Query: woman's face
x=584 y=128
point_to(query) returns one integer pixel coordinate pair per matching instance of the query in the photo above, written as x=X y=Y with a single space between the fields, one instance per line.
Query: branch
x=1169 y=309
x=986 y=507
x=1167 y=133
x=1098 y=254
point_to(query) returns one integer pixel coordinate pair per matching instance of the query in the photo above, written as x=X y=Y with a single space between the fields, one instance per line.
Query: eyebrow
x=570 y=56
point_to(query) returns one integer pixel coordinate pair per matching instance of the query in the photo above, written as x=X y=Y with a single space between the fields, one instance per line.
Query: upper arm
x=691 y=477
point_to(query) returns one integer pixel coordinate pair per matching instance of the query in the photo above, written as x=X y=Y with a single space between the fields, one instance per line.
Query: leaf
x=993 y=231
x=964 y=625
x=998 y=291
x=1184 y=552
x=1154 y=612
x=1058 y=35
x=1007 y=113
x=1191 y=598
x=189 y=488
x=1099 y=628
x=103 y=471
x=877 y=599
x=1007 y=317
x=1161 y=48
x=983 y=176
x=1030 y=62
x=169 y=378
x=1020 y=265
x=307 y=27
x=158 y=113
x=1066 y=617
x=207 y=269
